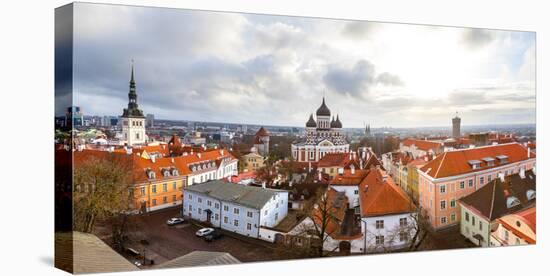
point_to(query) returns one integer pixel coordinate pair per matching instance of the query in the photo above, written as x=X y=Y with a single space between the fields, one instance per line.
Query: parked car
x=174 y=221
x=213 y=236
x=204 y=231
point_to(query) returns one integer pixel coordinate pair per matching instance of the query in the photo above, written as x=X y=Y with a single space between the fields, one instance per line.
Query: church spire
x=132 y=110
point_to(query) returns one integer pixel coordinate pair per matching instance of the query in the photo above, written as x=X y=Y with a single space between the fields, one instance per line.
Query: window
x=453 y=203
x=226 y=208
x=473 y=221
x=489 y=178
x=200 y=211
x=443 y=220
x=442 y=189
x=154 y=202
x=200 y=200
x=165 y=187
x=276 y=216
x=248 y=226
x=379 y=240
x=154 y=189
x=225 y=219
x=443 y=204
x=142 y=190
x=249 y=214
x=236 y=211
x=480 y=226
x=481 y=180
x=216 y=205
x=403 y=236
x=461 y=184
x=379 y=224
x=506 y=235
x=265 y=213
x=190 y=207
x=174 y=198
x=453 y=217
x=356 y=192
x=403 y=222
x=517 y=241
x=174 y=186
x=236 y=222
x=216 y=216
x=209 y=203
x=165 y=200
x=470 y=183
x=190 y=196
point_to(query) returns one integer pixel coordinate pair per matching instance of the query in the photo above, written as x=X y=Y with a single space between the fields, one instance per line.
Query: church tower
x=133 y=121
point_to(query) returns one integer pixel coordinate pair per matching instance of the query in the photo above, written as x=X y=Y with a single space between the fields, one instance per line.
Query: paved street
x=168 y=242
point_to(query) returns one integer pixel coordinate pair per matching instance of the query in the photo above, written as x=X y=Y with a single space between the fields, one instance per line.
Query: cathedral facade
x=323 y=135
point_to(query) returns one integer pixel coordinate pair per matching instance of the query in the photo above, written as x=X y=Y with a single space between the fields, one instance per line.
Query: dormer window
x=151 y=174
x=503 y=159
x=175 y=172
x=166 y=173
x=490 y=161
x=512 y=201
x=475 y=164
x=531 y=194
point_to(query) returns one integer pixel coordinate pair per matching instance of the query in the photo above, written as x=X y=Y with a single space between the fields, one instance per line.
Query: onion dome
x=323 y=109
x=337 y=123
x=311 y=122
x=333 y=123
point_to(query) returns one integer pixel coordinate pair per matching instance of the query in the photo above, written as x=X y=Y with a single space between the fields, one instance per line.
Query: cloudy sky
x=274 y=70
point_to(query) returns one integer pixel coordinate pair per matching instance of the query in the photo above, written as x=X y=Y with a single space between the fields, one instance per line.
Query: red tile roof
x=379 y=197
x=262 y=132
x=337 y=160
x=456 y=162
x=141 y=165
x=529 y=217
x=347 y=179
x=424 y=145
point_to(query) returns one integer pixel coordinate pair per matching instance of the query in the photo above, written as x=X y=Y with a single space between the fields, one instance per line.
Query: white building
x=237 y=208
x=322 y=136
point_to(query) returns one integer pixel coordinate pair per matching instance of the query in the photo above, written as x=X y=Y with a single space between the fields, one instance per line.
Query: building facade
x=323 y=136
x=237 y=208
x=456 y=174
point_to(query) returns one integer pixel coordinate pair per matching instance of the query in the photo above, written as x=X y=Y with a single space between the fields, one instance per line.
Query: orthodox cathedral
x=323 y=136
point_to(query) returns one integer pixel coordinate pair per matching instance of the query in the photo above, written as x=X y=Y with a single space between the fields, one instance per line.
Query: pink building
x=455 y=174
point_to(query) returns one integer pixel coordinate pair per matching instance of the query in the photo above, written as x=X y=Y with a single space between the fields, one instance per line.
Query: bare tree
x=102 y=192
x=323 y=218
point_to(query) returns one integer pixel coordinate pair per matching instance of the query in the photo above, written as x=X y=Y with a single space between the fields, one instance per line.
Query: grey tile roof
x=89 y=254
x=200 y=258
x=255 y=197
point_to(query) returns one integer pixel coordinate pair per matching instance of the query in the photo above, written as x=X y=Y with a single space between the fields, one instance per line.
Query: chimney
x=129 y=151
x=522 y=172
x=172 y=160
x=199 y=155
x=528 y=152
x=352 y=167
x=153 y=158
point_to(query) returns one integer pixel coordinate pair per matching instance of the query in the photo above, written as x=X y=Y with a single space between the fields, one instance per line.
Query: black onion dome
x=337 y=123
x=333 y=123
x=323 y=109
x=311 y=122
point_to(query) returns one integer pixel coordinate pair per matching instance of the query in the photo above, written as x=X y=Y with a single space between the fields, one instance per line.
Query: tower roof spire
x=132 y=75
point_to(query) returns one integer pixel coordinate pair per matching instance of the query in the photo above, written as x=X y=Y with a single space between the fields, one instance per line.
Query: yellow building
x=252 y=162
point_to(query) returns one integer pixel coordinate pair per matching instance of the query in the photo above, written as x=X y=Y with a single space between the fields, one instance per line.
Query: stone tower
x=456 y=126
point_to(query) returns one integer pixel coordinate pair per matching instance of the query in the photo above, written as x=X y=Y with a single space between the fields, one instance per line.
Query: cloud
x=477 y=38
x=358 y=30
x=389 y=79
x=273 y=70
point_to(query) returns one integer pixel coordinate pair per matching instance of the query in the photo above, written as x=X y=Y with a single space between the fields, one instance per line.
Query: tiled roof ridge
x=440 y=164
